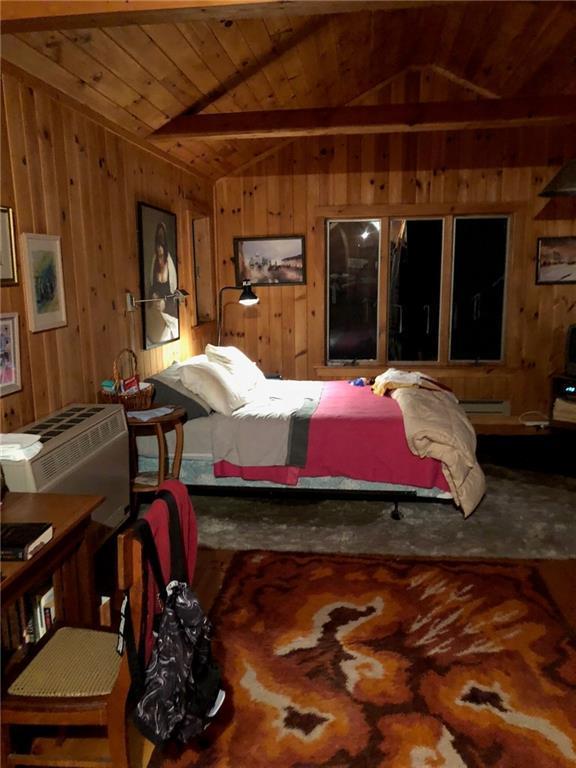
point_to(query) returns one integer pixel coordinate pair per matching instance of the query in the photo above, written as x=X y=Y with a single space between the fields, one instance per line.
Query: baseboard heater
x=84 y=451
x=495 y=407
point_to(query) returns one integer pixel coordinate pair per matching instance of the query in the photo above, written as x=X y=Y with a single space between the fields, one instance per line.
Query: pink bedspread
x=356 y=434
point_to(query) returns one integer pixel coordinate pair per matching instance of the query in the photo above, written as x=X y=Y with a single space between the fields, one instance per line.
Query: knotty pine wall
x=295 y=189
x=65 y=175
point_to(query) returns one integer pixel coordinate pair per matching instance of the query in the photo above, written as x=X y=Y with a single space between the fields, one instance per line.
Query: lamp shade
x=563 y=184
x=248 y=297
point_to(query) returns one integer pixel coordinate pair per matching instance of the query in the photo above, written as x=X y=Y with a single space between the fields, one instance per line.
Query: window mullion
x=383 y=290
x=446 y=289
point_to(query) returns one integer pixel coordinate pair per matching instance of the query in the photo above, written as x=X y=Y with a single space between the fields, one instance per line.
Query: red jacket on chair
x=158 y=519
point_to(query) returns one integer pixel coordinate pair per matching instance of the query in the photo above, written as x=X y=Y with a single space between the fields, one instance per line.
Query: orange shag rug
x=362 y=662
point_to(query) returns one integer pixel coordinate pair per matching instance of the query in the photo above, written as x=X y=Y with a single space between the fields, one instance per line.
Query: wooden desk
x=66 y=558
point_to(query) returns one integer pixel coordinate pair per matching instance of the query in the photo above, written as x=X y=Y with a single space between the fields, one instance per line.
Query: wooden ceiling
x=139 y=65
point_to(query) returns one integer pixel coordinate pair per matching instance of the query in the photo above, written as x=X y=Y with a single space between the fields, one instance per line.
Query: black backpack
x=173 y=697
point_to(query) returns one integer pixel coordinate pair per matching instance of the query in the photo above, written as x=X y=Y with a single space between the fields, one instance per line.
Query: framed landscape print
x=9 y=354
x=556 y=260
x=43 y=281
x=270 y=260
x=8 y=272
x=158 y=275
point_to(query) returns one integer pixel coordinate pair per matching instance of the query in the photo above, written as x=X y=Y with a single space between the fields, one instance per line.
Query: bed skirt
x=200 y=472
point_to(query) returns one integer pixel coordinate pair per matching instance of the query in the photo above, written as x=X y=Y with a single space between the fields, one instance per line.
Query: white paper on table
x=151 y=413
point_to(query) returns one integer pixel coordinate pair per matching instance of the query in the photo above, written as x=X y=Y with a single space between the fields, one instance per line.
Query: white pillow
x=215 y=385
x=171 y=378
x=173 y=371
x=237 y=364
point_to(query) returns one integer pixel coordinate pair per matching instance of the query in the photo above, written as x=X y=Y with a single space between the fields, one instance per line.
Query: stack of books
x=564 y=410
x=19 y=541
x=28 y=619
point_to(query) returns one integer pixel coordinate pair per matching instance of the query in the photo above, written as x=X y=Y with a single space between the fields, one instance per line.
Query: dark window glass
x=480 y=246
x=352 y=304
x=414 y=297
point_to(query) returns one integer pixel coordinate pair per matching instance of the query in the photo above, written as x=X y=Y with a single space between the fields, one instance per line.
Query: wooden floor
x=558 y=575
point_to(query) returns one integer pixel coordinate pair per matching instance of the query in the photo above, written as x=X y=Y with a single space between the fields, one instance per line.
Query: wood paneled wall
x=65 y=175
x=292 y=192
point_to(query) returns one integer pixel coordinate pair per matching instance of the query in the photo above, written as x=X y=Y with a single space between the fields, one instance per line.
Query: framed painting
x=43 y=281
x=556 y=260
x=276 y=260
x=158 y=275
x=8 y=272
x=9 y=354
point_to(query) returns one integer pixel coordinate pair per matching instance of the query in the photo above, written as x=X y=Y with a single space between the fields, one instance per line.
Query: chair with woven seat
x=78 y=683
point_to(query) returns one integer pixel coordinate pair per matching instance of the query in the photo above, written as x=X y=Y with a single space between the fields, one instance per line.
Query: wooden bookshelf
x=66 y=560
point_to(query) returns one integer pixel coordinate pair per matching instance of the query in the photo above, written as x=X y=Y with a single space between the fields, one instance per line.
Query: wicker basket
x=126 y=366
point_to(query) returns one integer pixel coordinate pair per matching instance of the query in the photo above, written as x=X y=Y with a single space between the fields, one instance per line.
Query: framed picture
x=43 y=281
x=158 y=275
x=9 y=354
x=270 y=260
x=556 y=260
x=8 y=272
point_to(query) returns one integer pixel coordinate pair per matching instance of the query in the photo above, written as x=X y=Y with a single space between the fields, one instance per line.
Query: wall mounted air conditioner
x=84 y=450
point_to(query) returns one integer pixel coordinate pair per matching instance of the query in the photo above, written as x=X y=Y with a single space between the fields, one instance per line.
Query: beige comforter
x=436 y=426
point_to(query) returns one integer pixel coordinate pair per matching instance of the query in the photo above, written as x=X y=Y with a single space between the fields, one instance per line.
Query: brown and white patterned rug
x=366 y=662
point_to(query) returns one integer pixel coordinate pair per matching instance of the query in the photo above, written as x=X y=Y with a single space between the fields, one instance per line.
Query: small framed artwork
x=9 y=354
x=276 y=260
x=43 y=281
x=8 y=272
x=158 y=275
x=556 y=260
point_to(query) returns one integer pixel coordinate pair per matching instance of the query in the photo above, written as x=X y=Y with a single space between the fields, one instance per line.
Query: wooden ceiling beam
x=40 y=15
x=390 y=118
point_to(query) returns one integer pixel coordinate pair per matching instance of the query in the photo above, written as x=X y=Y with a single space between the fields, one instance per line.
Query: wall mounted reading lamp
x=247 y=298
x=179 y=296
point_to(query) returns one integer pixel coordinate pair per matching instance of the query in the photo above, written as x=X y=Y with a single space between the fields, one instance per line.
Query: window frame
x=440 y=298
x=379 y=312
x=503 y=345
x=515 y=211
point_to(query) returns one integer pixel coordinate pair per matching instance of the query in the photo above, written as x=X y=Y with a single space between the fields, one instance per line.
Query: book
x=46 y=605
x=19 y=541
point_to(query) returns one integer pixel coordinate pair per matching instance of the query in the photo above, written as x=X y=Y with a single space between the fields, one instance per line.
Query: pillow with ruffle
x=169 y=390
x=237 y=364
x=214 y=384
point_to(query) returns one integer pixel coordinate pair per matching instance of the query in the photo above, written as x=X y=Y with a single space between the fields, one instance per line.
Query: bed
x=327 y=436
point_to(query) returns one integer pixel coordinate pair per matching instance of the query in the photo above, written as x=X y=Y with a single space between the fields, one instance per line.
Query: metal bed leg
x=396 y=514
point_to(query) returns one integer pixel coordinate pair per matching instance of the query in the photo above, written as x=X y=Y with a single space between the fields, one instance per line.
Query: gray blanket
x=272 y=430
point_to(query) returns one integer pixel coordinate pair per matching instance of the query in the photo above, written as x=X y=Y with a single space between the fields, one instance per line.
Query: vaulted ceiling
x=139 y=70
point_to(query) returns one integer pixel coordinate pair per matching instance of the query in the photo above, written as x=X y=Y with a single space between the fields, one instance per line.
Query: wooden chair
x=90 y=720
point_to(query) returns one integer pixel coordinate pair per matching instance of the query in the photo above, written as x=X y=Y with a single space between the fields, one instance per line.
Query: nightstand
x=149 y=482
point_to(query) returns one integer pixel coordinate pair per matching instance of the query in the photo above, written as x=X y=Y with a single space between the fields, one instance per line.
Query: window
x=414 y=293
x=420 y=326
x=480 y=245
x=352 y=301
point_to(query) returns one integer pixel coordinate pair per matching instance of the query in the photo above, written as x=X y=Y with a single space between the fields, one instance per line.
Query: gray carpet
x=523 y=515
